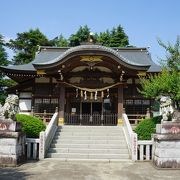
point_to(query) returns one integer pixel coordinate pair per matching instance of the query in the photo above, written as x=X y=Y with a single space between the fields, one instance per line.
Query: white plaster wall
x=25 y=95
x=25 y=104
x=27 y=113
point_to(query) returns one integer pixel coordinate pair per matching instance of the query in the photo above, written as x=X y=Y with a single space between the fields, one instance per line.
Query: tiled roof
x=49 y=55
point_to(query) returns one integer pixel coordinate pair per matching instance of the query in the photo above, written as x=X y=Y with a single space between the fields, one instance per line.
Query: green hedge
x=147 y=127
x=31 y=125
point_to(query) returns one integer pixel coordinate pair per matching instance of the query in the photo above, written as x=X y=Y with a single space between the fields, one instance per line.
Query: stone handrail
x=51 y=130
x=145 y=150
x=32 y=148
x=47 y=136
x=131 y=137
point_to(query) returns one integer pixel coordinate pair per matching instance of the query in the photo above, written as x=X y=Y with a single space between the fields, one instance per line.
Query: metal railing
x=88 y=119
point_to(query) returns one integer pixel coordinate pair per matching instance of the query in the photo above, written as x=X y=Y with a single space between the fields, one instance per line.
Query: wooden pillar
x=68 y=108
x=120 y=104
x=61 y=105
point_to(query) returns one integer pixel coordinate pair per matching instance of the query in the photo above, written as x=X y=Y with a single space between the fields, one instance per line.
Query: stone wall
x=12 y=148
x=166 y=145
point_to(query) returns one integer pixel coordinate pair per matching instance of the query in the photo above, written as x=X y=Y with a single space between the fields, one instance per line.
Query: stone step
x=90 y=146
x=88 y=127
x=105 y=133
x=90 y=160
x=88 y=151
x=88 y=156
x=78 y=141
x=90 y=130
x=89 y=142
x=120 y=133
x=61 y=137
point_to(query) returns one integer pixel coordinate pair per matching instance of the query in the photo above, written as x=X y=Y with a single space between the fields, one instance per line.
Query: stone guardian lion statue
x=10 y=108
x=167 y=110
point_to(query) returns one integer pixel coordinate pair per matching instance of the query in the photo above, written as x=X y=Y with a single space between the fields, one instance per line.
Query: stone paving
x=50 y=169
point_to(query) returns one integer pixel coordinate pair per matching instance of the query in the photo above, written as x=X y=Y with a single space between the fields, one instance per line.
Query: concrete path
x=50 y=169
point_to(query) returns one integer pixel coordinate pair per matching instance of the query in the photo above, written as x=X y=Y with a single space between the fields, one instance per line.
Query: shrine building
x=89 y=84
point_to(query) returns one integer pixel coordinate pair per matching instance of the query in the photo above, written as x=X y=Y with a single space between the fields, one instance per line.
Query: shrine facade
x=89 y=84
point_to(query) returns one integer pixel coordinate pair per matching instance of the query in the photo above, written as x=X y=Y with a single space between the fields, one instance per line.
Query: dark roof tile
x=48 y=55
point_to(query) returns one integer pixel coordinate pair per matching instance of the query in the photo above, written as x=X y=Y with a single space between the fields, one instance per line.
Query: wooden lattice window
x=129 y=102
x=137 y=102
x=146 y=102
x=48 y=104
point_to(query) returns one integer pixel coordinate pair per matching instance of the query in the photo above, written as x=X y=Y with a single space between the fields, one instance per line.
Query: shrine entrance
x=91 y=108
x=101 y=111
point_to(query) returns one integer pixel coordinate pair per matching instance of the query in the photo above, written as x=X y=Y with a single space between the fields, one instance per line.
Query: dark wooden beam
x=90 y=74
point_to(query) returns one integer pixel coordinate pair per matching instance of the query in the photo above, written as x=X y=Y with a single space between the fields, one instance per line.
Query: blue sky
x=143 y=20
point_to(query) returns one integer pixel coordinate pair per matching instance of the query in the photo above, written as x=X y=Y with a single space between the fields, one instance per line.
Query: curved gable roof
x=138 y=57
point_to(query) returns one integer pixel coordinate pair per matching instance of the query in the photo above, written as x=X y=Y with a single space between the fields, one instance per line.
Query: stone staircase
x=89 y=143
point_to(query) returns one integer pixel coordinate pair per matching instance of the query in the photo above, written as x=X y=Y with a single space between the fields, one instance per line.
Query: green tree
x=4 y=82
x=60 y=41
x=26 y=44
x=166 y=83
x=104 y=38
x=3 y=54
x=172 y=60
x=80 y=36
x=118 y=37
x=114 y=38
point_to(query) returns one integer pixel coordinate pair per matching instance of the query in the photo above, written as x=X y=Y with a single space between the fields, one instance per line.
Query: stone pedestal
x=166 y=146
x=12 y=144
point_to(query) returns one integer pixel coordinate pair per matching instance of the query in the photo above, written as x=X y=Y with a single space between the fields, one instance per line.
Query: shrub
x=147 y=127
x=31 y=125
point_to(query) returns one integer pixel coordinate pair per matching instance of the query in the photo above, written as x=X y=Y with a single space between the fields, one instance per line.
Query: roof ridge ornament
x=91 y=38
